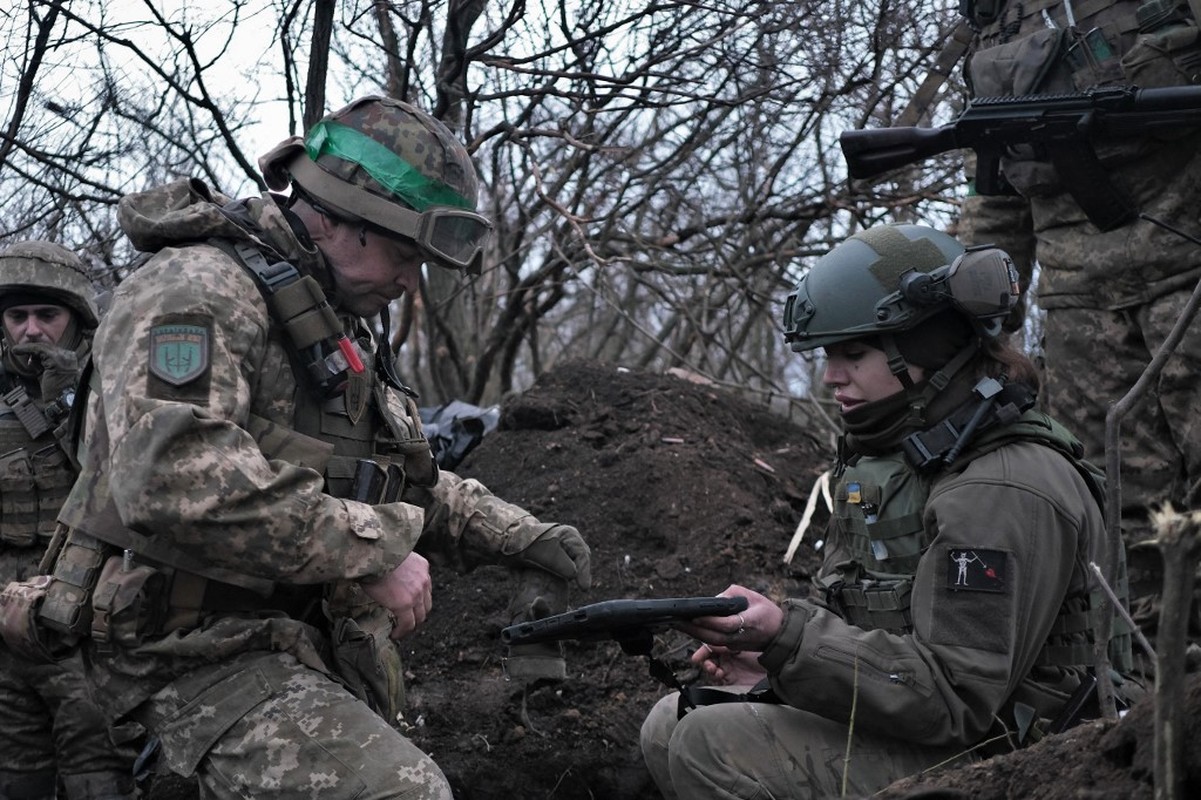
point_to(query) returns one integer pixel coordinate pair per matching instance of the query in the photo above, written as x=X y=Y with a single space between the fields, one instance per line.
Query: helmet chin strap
x=918 y=401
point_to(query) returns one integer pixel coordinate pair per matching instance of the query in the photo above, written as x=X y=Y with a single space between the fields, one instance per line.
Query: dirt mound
x=1096 y=760
x=680 y=489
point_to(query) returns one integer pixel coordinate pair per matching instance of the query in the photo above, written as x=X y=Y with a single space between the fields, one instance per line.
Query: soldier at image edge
x=1110 y=297
x=243 y=548
x=52 y=733
x=953 y=613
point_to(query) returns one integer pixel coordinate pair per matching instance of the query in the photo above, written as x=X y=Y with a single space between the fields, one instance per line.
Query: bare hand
x=751 y=630
x=406 y=592
x=727 y=667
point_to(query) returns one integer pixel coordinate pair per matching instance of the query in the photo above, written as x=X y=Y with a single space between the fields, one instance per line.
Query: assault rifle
x=1063 y=128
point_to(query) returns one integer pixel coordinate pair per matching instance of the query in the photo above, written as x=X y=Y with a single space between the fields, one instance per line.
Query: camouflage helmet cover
x=374 y=149
x=893 y=277
x=45 y=268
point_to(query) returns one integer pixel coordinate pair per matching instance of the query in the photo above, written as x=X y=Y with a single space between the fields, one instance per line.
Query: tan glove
x=59 y=367
x=557 y=549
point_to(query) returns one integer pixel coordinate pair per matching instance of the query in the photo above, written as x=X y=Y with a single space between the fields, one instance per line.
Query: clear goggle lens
x=454 y=236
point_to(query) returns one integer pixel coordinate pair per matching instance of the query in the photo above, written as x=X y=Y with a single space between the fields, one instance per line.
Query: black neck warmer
x=877 y=428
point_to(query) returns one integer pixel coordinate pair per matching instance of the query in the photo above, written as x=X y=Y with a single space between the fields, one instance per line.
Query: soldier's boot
x=27 y=785
x=539 y=595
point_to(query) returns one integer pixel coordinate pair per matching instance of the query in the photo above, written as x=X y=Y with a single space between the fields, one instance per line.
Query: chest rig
x=878 y=537
x=878 y=534
x=350 y=399
x=35 y=471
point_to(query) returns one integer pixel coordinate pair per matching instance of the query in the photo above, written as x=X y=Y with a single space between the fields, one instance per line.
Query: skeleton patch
x=975 y=570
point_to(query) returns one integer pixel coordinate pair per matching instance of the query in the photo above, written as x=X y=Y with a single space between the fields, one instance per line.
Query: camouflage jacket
x=175 y=450
x=1031 y=48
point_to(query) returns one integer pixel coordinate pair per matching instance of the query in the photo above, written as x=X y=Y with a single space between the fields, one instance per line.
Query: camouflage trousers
x=1093 y=358
x=276 y=728
x=50 y=728
x=758 y=750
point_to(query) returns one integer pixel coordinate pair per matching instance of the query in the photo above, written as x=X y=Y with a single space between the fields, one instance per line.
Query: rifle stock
x=873 y=152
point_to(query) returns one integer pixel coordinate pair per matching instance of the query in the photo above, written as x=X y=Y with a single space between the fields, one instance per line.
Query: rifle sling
x=954 y=49
x=692 y=696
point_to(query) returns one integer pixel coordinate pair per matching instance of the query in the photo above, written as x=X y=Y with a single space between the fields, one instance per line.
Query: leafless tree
x=660 y=173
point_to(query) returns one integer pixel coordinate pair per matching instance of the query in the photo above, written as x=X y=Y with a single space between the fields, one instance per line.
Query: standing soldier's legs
x=276 y=728
x=1178 y=388
x=49 y=727
x=1093 y=358
x=25 y=738
x=754 y=750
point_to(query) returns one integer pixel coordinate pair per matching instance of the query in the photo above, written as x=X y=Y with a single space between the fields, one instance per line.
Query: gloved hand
x=557 y=549
x=59 y=367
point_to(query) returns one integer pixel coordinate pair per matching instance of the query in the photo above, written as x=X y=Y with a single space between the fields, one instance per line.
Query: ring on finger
x=741 y=626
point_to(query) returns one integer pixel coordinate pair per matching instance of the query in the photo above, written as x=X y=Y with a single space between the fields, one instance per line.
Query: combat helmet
x=891 y=278
x=37 y=269
x=391 y=165
x=915 y=293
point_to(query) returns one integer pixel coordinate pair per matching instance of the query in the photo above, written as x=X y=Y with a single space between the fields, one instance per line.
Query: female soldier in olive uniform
x=954 y=603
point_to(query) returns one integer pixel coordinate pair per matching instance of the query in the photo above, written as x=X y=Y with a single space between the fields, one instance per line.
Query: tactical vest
x=35 y=472
x=1026 y=48
x=878 y=521
x=361 y=433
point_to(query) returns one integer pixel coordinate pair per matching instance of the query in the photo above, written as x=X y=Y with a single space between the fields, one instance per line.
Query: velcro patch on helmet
x=975 y=570
x=180 y=357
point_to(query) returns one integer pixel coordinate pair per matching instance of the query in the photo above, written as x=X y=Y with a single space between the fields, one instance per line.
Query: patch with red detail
x=975 y=570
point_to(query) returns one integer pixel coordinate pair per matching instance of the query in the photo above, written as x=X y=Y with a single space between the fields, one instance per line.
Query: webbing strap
x=919 y=104
x=30 y=416
x=692 y=696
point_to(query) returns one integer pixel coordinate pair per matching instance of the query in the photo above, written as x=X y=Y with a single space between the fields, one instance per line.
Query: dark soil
x=680 y=489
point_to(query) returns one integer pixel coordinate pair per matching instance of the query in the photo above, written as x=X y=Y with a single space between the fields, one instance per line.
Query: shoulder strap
x=952 y=51
x=70 y=433
x=316 y=340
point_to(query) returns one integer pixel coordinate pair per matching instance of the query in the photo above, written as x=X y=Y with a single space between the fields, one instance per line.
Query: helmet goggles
x=452 y=237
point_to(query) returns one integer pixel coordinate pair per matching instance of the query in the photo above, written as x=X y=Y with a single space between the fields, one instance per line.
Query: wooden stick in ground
x=1121 y=609
x=1176 y=537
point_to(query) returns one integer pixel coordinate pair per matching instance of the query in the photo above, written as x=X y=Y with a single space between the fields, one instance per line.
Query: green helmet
x=893 y=277
x=388 y=163
x=37 y=269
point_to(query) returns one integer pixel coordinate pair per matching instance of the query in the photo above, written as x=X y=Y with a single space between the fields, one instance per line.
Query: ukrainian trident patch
x=179 y=353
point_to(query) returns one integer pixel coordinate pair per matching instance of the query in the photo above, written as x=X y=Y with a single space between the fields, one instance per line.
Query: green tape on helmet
x=388 y=169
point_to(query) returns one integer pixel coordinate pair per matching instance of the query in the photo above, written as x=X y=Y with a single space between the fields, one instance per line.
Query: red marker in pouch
x=354 y=363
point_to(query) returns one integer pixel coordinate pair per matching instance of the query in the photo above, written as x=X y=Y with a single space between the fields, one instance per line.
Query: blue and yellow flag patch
x=179 y=353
